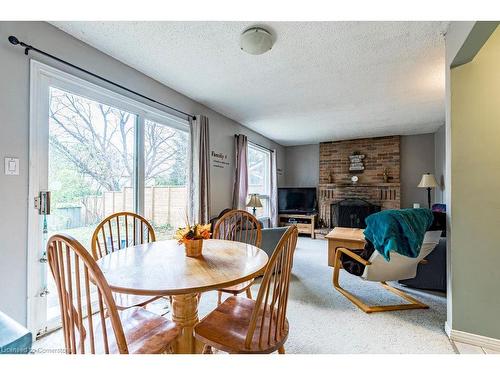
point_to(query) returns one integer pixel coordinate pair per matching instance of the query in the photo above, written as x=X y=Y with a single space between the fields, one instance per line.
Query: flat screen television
x=297 y=200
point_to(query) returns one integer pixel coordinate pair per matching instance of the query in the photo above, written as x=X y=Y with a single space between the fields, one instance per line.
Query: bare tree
x=99 y=141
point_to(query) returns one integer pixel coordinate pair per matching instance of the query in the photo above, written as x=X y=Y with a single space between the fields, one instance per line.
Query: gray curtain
x=274 y=190
x=240 y=185
x=199 y=176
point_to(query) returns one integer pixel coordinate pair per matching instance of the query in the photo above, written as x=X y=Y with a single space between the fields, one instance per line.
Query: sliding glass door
x=97 y=153
x=165 y=177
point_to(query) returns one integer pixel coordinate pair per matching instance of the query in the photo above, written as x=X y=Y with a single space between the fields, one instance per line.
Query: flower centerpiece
x=192 y=237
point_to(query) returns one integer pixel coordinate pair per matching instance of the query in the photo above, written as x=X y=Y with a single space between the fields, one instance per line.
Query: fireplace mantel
x=360 y=185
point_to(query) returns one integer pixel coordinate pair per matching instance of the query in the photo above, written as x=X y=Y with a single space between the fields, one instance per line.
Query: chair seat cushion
x=226 y=328
x=145 y=332
x=125 y=301
x=238 y=288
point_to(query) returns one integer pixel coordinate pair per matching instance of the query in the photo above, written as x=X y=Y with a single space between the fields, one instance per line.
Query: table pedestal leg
x=185 y=314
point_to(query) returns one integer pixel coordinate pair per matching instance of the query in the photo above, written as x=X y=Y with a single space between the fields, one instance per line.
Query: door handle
x=44 y=292
x=42 y=202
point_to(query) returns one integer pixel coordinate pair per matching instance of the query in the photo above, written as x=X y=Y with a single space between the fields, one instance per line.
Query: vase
x=193 y=248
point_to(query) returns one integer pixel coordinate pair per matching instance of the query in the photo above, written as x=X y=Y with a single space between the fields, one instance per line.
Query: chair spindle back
x=269 y=314
x=238 y=225
x=120 y=230
x=88 y=310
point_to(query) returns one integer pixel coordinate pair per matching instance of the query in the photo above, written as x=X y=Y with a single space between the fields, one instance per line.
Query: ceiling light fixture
x=256 y=41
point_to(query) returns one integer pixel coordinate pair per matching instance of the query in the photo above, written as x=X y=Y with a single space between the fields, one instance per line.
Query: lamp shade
x=427 y=181
x=254 y=201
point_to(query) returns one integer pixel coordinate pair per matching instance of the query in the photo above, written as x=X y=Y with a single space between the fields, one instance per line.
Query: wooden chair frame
x=232 y=226
x=277 y=277
x=142 y=231
x=139 y=226
x=229 y=227
x=267 y=327
x=414 y=303
x=76 y=273
x=59 y=250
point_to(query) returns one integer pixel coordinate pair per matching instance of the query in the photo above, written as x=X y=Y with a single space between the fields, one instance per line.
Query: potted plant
x=192 y=237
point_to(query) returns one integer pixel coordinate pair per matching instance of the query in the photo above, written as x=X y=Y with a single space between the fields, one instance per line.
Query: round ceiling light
x=256 y=41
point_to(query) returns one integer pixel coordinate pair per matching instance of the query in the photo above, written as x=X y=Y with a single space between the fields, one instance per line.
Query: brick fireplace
x=381 y=154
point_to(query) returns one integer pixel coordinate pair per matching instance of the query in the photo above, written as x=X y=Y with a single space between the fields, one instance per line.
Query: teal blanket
x=401 y=231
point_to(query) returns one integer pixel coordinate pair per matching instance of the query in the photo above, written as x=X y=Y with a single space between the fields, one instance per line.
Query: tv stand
x=305 y=222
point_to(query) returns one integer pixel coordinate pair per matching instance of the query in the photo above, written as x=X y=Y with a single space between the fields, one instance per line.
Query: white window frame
x=42 y=77
x=267 y=196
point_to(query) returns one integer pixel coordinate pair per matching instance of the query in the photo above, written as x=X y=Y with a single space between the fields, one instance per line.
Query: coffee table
x=352 y=238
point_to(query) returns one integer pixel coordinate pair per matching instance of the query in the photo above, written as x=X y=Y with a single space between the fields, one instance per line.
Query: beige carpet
x=323 y=321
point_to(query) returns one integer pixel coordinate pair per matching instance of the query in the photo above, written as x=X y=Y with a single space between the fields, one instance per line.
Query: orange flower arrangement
x=193 y=232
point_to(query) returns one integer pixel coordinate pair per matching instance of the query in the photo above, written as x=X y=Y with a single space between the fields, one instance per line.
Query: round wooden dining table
x=162 y=269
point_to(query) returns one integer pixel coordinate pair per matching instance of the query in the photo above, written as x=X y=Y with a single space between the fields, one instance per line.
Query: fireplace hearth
x=351 y=212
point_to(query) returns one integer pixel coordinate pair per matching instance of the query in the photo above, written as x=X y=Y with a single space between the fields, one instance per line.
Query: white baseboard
x=472 y=339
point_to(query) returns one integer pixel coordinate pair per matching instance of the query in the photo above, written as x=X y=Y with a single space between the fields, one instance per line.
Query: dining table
x=162 y=268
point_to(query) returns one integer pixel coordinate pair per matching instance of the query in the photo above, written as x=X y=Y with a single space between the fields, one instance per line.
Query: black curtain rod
x=256 y=144
x=13 y=40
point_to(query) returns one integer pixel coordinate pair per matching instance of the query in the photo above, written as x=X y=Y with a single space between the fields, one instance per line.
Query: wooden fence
x=164 y=205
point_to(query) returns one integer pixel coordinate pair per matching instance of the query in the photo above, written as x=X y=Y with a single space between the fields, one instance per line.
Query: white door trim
x=34 y=308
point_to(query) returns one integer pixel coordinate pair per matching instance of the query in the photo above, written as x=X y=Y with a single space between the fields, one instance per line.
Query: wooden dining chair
x=84 y=295
x=242 y=325
x=241 y=226
x=115 y=232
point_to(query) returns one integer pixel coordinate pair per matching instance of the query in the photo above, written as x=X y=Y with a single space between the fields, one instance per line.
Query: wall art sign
x=357 y=164
x=219 y=159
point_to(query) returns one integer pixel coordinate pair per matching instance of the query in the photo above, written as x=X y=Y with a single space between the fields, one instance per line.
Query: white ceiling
x=322 y=81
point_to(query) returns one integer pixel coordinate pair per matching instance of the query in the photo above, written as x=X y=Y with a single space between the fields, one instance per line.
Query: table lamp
x=428 y=181
x=254 y=202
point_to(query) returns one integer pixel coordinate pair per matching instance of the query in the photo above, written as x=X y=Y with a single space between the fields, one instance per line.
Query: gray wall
x=440 y=163
x=417 y=158
x=302 y=166
x=14 y=108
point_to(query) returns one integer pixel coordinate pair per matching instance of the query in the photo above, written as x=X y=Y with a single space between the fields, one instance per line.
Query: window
x=259 y=177
x=91 y=163
x=165 y=176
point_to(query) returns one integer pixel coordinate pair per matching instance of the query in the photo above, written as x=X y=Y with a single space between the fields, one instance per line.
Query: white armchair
x=379 y=270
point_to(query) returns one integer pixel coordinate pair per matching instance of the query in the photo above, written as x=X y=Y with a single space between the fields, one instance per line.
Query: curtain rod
x=13 y=40
x=256 y=144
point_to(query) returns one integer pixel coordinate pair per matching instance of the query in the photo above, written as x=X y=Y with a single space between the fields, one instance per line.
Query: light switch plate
x=12 y=166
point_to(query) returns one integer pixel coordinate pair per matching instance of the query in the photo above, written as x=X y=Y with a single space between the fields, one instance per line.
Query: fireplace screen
x=351 y=213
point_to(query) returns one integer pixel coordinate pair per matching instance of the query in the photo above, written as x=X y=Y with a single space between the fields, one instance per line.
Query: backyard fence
x=163 y=206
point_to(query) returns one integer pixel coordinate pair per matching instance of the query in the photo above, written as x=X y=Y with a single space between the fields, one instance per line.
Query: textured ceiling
x=322 y=81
